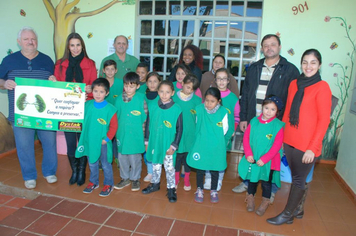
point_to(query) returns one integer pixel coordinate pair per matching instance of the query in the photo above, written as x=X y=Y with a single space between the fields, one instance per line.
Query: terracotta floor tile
x=18 y=202
x=136 y=202
x=11 y=164
x=244 y=220
x=124 y=220
x=221 y=216
x=69 y=208
x=325 y=177
x=15 y=181
x=311 y=212
x=6 y=211
x=332 y=187
x=219 y=231
x=44 y=203
x=329 y=214
x=316 y=186
x=25 y=233
x=251 y=233
x=116 y=199
x=106 y=231
x=199 y=213
x=97 y=214
x=336 y=228
x=78 y=228
x=187 y=228
x=48 y=224
x=348 y=215
x=183 y=196
x=63 y=190
x=156 y=206
x=292 y=229
x=178 y=210
x=8 y=231
x=314 y=227
x=154 y=225
x=21 y=218
x=5 y=198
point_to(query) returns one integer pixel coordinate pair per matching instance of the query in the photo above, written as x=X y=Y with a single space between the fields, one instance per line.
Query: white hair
x=26 y=28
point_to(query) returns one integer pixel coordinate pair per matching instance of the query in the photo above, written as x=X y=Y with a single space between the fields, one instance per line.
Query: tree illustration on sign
x=331 y=140
x=64 y=17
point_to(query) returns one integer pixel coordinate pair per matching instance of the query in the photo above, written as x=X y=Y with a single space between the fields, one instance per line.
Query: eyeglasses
x=222 y=79
x=29 y=63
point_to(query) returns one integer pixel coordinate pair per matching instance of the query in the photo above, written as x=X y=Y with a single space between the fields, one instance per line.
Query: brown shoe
x=263 y=207
x=250 y=200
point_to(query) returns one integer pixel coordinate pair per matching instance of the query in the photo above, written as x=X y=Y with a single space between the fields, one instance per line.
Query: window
x=231 y=28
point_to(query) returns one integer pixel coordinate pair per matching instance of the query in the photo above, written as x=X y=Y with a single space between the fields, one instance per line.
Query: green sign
x=43 y=104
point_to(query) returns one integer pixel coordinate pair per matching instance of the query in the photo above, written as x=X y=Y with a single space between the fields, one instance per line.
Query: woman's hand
x=260 y=163
x=88 y=89
x=9 y=84
x=250 y=159
x=308 y=157
x=52 y=78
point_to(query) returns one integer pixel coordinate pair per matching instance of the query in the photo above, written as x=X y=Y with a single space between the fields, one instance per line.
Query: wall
x=118 y=19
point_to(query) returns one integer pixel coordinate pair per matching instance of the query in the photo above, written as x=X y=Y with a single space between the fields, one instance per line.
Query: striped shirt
x=17 y=65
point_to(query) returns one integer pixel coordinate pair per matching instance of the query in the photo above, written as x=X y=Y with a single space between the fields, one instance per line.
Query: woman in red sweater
x=75 y=66
x=307 y=116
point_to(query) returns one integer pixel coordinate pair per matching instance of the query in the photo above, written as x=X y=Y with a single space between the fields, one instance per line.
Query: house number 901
x=301 y=8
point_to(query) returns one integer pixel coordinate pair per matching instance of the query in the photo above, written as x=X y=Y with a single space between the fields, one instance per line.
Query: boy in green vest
x=187 y=100
x=131 y=114
x=116 y=85
x=142 y=71
x=99 y=128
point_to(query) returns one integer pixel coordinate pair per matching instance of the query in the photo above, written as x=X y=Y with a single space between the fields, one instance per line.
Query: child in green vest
x=182 y=71
x=142 y=71
x=209 y=149
x=187 y=100
x=164 y=128
x=131 y=115
x=151 y=96
x=100 y=125
x=231 y=103
x=116 y=85
x=263 y=151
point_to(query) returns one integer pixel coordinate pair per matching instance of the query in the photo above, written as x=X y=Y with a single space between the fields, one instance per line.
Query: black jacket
x=283 y=74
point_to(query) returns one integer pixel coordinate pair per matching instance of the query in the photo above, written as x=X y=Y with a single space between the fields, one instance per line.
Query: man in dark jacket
x=268 y=76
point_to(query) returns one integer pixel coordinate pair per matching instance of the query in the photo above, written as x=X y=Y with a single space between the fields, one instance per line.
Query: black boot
x=81 y=170
x=151 y=188
x=74 y=163
x=299 y=212
x=295 y=196
x=171 y=194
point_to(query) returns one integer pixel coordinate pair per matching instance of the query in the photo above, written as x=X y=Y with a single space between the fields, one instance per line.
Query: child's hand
x=260 y=163
x=250 y=159
x=88 y=89
x=103 y=142
x=170 y=151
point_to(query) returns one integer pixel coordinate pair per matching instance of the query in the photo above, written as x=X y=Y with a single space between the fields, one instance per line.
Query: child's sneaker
x=199 y=196
x=106 y=191
x=148 y=178
x=90 y=188
x=214 y=196
x=187 y=188
x=122 y=184
x=135 y=185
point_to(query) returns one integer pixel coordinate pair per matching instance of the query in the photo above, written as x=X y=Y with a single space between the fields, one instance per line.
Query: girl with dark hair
x=181 y=72
x=75 y=66
x=307 y=117
x=262 y=142
x=192 y=57
x=209 y=149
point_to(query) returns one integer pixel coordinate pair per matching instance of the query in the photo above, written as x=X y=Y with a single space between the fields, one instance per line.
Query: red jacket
x=314 y=117
x=88 y=68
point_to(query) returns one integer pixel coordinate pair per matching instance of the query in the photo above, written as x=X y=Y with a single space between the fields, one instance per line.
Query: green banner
x=43 y=104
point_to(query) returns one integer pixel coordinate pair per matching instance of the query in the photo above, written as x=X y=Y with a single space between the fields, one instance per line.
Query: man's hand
x=52 y=78
x=243 y=126
x=10 y=84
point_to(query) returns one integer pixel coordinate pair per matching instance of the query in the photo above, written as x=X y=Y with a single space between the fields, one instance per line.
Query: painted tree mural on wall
x=64 y=17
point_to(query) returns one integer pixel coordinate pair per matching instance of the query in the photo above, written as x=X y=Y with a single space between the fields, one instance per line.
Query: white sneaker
x=148 y=178
x=30 y=184
x=240 y=188
x=51 y=179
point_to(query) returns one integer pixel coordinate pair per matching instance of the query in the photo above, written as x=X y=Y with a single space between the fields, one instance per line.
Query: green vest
x=131 y=116
x=142 y=88
x=189 y=121
x=261 y=140
x=209 y=149
x=229 y=102
x=95 y=128
x=151 y=102
x=115 y=91
x=163 y=123
x=176 y=89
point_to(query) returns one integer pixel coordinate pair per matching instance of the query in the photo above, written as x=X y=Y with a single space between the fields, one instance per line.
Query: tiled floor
x=64 y=210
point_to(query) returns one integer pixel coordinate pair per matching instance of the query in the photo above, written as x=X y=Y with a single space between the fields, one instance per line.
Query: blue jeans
x=25 y=138
x=274 y=186
x=107 y=169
